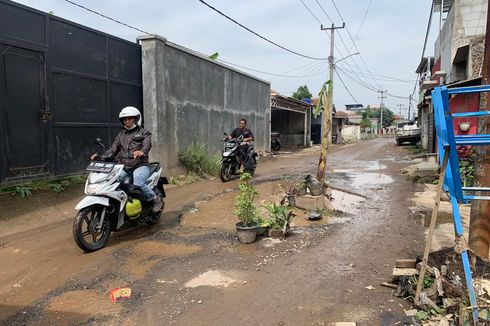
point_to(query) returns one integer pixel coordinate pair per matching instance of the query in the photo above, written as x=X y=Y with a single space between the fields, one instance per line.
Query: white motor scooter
x=113 y=205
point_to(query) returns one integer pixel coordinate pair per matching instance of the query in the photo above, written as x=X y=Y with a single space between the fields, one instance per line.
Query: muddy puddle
x=217 y=214
x=147 y=254
x=359 y=180
x=364 y=166
x=75 y=306
x=364 y=175
x=345 y=202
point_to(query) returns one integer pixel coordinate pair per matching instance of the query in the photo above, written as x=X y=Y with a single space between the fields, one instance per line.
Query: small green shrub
x=23 y=191
x=184 y=179
x=245 y=207
x=198 y=159
x=279 y=217
x=57 y=185
x=467 y=171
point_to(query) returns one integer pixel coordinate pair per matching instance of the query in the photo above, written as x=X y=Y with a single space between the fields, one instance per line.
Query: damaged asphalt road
x=191 y=270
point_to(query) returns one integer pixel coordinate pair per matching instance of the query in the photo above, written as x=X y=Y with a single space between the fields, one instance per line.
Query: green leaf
x=422 y=315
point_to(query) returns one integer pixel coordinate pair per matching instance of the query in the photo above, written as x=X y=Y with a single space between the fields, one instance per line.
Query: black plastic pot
x=246 y=233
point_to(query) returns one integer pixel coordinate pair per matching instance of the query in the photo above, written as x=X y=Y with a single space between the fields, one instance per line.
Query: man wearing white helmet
x=131 y=148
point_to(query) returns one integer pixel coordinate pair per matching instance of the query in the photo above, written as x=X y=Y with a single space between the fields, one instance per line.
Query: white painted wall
x=351 y=132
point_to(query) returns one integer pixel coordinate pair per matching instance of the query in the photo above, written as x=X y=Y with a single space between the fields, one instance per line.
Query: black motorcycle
x=230 y=162
x=275 y=141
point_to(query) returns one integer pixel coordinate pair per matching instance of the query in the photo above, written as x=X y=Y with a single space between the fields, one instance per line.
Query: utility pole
x=479 y=238
x=331 y=65
x=400 y=108
x=381 y=106
x=409 y=105
x=328 y=109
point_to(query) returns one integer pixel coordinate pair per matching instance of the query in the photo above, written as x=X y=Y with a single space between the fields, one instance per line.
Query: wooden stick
x=389 y=285
x=433 y=219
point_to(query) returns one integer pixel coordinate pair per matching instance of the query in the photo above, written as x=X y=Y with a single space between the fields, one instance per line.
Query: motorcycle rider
x=134 y=154
x=248 y=137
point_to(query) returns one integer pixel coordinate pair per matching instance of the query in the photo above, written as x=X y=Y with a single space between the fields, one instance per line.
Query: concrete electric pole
x=327 y=112
x=381 y=107
x=401 y=108
x=331 y=64
x=409 y=105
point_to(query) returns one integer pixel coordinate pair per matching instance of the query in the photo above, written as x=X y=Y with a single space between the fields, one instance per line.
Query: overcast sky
x=390 y=40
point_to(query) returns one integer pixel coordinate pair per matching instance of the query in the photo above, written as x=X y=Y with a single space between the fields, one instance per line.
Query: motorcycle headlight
x=92 y=188
x=97 y=180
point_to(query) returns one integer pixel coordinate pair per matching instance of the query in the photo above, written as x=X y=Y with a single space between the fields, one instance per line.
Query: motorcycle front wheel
x=225 y=172
x=86 y=231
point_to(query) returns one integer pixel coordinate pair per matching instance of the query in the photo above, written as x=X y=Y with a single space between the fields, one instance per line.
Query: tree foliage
x=388 y=115
x=302 y=92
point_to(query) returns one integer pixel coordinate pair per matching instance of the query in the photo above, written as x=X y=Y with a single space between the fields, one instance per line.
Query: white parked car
x=407 y=131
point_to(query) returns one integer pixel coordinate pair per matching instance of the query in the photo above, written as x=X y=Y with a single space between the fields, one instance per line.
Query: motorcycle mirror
x=98 y=141
x=139 y=138
x=225 y=133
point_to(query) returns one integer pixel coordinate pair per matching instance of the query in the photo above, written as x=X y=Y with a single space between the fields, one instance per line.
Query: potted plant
x=246 y=210
x=263 y=225
x=280 y=217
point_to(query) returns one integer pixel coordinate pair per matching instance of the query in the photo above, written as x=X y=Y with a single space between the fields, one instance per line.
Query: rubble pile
x=444 y=298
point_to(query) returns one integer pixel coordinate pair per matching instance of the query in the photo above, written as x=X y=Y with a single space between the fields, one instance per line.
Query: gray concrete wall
x=465 y=21
x=424 y=127
x=188 y=98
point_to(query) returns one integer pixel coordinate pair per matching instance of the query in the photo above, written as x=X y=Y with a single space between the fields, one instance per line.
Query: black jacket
x=124 y=145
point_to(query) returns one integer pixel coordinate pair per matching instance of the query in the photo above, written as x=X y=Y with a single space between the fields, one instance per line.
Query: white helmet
x=130 y=111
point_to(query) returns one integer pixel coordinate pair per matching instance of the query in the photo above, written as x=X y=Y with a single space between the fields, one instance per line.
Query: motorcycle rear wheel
x=154 y=218
x=276 y=146
x=85 y=232
x=225 y=172
x=250 y=165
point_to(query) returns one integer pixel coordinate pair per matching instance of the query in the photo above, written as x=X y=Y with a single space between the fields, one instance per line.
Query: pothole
x=359 y=180
x=345 y=202
x=79 y=305
x=214 y=279
x=147 y=254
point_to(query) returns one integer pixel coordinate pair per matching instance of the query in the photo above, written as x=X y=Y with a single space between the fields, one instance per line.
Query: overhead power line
x=321 y=7
x=367 y=86
x=401 y=97
x=383 y=77
x=257 y=34
x=264 y=72
x=346 y=88
x=425 y=40
x=314 y=70
x=311 y=12
x=107 y=17
x=341 y=39
x=362 y=22
x=353 y=42
x=358 y=81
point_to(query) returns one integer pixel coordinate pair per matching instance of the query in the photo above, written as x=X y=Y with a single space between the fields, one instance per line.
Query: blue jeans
x=140 y=175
